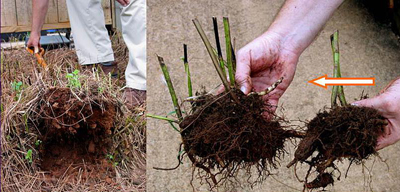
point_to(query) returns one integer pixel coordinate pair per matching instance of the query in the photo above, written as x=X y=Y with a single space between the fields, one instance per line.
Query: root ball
x=223 y=137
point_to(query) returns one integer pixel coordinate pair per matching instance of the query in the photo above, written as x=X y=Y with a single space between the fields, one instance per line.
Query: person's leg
x=133 y=20
x=92 y=43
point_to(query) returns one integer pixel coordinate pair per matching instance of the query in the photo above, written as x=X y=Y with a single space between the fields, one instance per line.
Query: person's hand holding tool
x=34 y=42
x=39 y=10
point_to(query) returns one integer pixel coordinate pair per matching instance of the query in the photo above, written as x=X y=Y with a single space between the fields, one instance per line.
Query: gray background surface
x=367 y=50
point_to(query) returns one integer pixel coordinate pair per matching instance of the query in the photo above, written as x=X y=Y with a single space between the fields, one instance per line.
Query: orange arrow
x=324 y=81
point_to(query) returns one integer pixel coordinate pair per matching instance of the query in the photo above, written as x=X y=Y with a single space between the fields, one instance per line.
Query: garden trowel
x=39 y=56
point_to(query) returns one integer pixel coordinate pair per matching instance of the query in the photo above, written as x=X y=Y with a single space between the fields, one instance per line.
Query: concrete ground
x=367 y=50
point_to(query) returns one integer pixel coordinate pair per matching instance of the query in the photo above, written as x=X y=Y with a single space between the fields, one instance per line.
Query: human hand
x=34 y=41
x=262 y=62
x=388 y=104
x=123 y=2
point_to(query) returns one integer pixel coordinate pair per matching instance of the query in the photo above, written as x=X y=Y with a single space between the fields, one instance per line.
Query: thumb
x=242 y=75
x=375 y=102
x=36 y=49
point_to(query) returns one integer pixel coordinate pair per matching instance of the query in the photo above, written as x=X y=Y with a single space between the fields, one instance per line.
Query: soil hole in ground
x=76 y=134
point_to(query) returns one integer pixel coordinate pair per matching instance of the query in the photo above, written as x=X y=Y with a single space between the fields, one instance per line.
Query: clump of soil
x=76 y=133
x=222 y=137
x=343 y=132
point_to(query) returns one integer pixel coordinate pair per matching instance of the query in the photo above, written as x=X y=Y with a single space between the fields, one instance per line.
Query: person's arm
x=388 y=105
x=275 y=53
x=39 y=10
x=299 y=21
x=123 y=2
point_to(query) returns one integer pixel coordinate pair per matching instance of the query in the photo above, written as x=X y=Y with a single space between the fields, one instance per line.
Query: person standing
x=93 y=44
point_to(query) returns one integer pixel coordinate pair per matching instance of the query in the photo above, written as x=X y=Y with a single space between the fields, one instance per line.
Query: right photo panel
x=295 y=95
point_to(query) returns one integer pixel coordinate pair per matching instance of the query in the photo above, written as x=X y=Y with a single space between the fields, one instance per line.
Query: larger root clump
x=222 y=137
x=343 y=132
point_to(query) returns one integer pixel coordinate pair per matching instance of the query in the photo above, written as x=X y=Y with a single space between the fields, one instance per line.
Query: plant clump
x=340 y=132
x=225 y=134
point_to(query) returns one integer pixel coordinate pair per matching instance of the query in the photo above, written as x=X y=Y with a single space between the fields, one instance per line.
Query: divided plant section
x=225 y=134
x=341 y=132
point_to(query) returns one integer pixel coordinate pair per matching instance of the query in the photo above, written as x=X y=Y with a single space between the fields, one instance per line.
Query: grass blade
x=217 y=42
x=229 y=52
x=337 y=91
x=161 y=118
x=212 y=55
x=170 y=88
x=186 y=63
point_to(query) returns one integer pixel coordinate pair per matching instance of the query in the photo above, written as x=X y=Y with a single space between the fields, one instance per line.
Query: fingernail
x=354 y=104
x=243 y=89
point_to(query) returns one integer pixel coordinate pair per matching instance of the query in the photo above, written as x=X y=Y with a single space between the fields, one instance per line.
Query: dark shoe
x=134 y=98
x=110 y=69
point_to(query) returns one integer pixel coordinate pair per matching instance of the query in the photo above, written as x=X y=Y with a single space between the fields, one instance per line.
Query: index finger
x=242 y=75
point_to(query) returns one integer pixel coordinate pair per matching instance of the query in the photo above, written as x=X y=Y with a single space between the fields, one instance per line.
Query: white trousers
x=93 y=45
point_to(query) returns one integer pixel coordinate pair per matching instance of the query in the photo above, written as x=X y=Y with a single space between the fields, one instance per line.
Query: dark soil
x=222 y=137
x=343 y=132
x=76 y=134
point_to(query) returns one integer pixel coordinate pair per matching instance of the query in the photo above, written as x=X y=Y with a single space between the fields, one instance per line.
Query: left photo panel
x=73 y=95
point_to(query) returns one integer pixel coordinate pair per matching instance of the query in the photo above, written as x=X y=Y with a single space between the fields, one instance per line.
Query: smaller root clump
x=343 y=132
x=222 y=137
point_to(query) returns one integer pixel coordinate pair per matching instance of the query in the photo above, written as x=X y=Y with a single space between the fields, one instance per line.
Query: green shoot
x=101 y=90
x=25 y=116
x=337 y=91
x=170 y=121
x=161 y=118
x=28 y=156
x=170 y=88
x=110 y=157
x=212 y=55
x=73 y=79
x=229 y=52
x=17 y=88
x=185 y=62
x=38 y=142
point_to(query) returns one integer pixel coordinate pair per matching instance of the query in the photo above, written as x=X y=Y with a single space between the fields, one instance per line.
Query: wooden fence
x=16 y=15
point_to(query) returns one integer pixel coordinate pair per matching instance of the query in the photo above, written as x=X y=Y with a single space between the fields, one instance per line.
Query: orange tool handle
x=39 y=56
